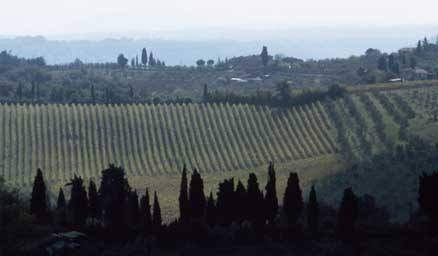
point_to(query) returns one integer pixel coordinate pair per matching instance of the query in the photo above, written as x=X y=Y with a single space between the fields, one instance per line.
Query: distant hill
x=185 y=47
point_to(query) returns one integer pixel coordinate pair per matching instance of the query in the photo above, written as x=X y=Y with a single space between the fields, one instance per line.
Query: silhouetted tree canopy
x=347 y=214
x=210 y=211
x=121 y=60
x=145 y=212
x=78 y=204
x=38 y=200
x=113 y=191
x=184 y=206
x=254 y=201
x=312 y=212
x=196 y=196
x=156 y=216
x=293 y=199
x=144 y=57
x=93 y=200
x=264 y=55
x=271 y=201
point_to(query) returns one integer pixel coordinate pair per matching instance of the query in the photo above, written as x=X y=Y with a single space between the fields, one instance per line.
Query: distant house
x=415 y=74
x=239 y=80
x=395 y=80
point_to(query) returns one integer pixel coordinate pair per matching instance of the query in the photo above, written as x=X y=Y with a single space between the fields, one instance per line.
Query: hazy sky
x=48 y=17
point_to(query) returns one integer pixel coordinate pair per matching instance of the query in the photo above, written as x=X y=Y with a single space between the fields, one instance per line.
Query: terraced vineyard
x=151 y=140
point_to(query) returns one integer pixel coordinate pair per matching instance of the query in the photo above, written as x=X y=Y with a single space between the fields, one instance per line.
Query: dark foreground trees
x=313 y=213
x=427 y=199
x=38 y=200
x=293 y=200
x=245 y=211
x=271 y=201
x=347 y=215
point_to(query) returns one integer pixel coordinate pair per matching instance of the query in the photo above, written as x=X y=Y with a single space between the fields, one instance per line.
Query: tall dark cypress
x=144 y=57
x=313 y=212
x=347 y=214
x=61 y=211
x=184 y=208
x=60 y=204
x=132 y=210
x=196 y=196
x=145 y=212
x=210 y=211
x=254 y=201
x=156 y=217
x=38 y=200
x=151 y=59
x=205 y=94
x=93 y=201
x=226 y=202
x=293 y=199
x=271 y=201
x=264 y=55
x=113 y=191
x=241 y=202
x=78 y=204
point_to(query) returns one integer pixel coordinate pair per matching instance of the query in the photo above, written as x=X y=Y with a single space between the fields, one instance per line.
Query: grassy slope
x=309 y=170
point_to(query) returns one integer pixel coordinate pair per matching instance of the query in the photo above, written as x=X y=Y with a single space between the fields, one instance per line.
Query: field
x=153 y=142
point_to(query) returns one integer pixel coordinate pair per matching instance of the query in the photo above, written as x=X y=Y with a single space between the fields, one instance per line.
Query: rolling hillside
x=151 y=140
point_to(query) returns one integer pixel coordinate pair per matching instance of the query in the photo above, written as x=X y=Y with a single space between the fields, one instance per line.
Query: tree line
x=119 y=212
x=283 y=96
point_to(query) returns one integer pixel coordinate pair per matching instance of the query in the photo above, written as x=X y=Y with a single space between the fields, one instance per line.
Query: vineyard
x=152 y=140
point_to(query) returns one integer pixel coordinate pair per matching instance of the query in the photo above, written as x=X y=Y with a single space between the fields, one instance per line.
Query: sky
x=57 y=17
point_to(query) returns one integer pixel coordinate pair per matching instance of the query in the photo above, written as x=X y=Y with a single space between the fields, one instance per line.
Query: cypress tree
x=347 y=214
x=114 y=190
x=419 y=47
x=196 y=196
x=254 y=201
x=132 y=209
x=205 y=93
x=78 y=204
x=183 y=199
x=271 y=201
x=241 y=203
x=38 y=200
x=151 y=60
x=61 y=214
x=93 y=201
x=264 y=55
x=145 y=212
x=60 y=204
x=382 y=63
x=144 y=57
x=225 y=202
x=293 y=199
x=312 y=212
x=156 y=217
x=210 y=211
